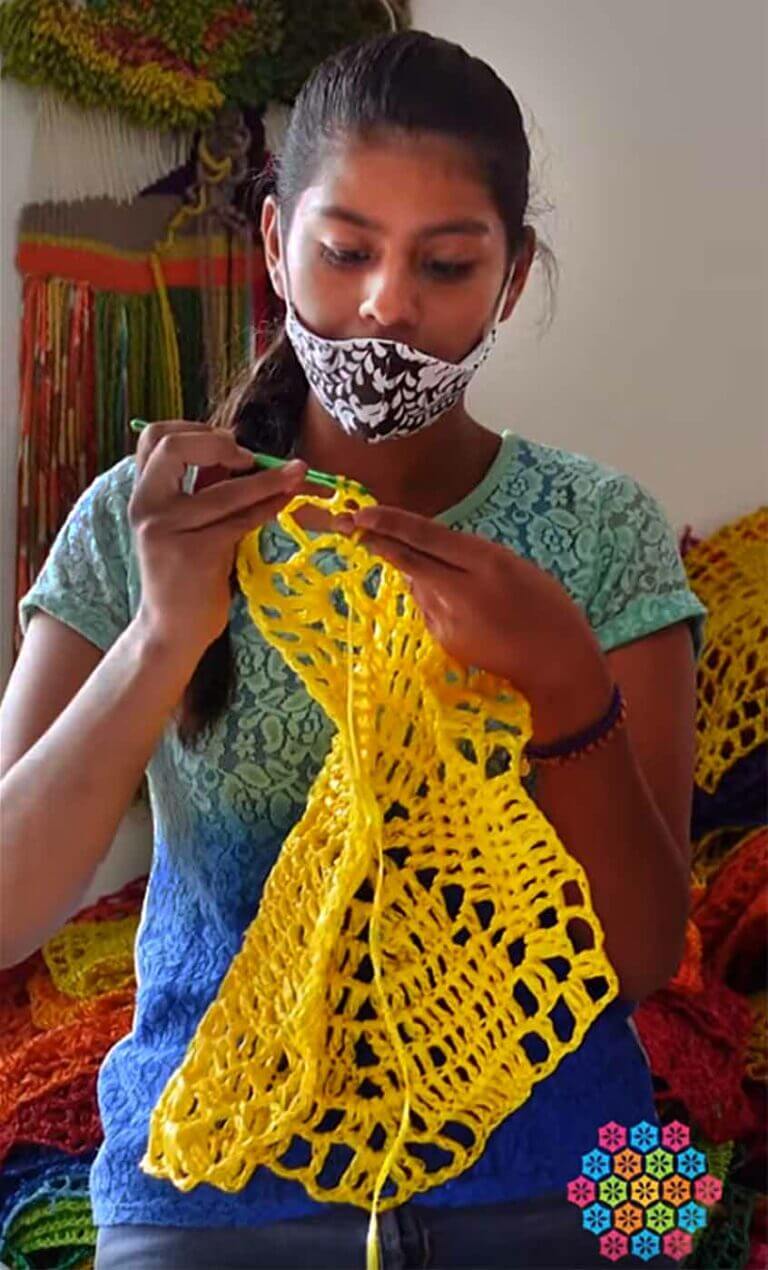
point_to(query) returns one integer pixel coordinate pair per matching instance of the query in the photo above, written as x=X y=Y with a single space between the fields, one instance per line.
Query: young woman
x=398 y=215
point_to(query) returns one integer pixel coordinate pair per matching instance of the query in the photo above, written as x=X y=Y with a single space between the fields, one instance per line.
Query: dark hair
x=407 y=81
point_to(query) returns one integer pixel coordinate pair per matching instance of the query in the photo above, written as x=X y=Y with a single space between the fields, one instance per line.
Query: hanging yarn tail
x=369 y=811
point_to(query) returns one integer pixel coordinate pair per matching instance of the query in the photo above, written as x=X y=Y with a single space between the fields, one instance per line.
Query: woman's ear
x=522 y=269
x=271 y=239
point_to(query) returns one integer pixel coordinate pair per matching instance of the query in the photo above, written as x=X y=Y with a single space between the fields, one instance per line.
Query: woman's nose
x=391 y=300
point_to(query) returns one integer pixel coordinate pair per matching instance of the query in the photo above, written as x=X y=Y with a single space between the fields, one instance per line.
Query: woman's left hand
x=487 y=606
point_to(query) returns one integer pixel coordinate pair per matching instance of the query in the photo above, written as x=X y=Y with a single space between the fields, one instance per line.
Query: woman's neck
x=424 y=473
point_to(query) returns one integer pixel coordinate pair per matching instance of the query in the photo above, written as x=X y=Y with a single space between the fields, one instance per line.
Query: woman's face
x=398 y=239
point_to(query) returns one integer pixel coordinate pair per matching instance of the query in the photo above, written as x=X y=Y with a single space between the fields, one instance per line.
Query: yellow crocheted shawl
x=398 y=983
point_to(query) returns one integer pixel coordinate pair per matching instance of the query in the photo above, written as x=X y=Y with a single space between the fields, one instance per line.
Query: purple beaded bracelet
x=580 y=743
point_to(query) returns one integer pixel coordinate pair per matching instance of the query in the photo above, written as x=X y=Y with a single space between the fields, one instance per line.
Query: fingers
x=191 y=444
x=248 y=501
x=409 y=561
x=428 y=538
x=173 y=447
x=244 y=522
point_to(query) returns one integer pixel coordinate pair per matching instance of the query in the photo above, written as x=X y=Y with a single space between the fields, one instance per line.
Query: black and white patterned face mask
x=381 y=389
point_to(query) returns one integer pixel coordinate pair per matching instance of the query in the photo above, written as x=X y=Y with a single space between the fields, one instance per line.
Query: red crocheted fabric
x=741 y=877
x=732 y=912
x=16 y=1027
x=66 y=1117
x=48 y=1060
x=695 y=1044
x=14 y=978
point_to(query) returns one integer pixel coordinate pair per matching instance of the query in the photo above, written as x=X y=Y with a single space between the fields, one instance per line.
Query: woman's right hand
x=186 y=544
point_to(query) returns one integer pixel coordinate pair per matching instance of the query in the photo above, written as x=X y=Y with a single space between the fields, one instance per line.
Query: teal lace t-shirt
x=221 y=812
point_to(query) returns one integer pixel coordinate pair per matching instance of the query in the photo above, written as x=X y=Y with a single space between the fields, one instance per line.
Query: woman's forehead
x=411 y=183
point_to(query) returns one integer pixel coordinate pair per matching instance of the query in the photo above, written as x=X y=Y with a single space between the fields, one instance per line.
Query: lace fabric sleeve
x=84 y=579
x=640 y=581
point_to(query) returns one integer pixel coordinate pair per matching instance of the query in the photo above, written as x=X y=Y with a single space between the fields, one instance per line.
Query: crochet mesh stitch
x=86 y=958
x=50 y=1008
x=731 y=914
x=729 y=573
x=695 y=1045
x=65 y=1116
x=51 y=1223
x=410 y=974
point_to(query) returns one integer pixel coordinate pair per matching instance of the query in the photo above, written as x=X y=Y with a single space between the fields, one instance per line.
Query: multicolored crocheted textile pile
x=705 y=1033
x=61 y=1010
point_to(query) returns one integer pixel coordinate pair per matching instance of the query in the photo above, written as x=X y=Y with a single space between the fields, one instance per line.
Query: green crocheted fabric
x=724 y=1241
x=61 y=1224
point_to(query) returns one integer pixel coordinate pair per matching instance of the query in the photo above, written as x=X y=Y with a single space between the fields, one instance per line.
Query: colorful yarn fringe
x=110 y=332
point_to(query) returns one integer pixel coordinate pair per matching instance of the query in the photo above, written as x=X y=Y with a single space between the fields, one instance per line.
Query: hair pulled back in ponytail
x=407 y=81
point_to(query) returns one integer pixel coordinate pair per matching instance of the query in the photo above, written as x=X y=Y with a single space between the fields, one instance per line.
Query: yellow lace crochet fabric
x=85 y=958
x=398 y=984
x=729 y=573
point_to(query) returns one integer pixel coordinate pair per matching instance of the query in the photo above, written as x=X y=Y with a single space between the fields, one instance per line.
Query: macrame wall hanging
x=144 y=288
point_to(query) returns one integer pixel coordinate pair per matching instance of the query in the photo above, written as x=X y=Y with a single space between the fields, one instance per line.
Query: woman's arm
x=74 y=758
x=624 y=810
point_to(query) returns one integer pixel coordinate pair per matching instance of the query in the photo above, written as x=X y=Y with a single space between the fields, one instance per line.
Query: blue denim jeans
x=544 y=1232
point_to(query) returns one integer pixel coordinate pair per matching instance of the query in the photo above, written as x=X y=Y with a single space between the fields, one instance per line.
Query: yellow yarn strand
x=175 y=406
x=370 y=813
x=413 y=970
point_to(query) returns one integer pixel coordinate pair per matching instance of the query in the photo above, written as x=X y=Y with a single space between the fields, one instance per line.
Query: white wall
x=653 y=118
x=650 y=141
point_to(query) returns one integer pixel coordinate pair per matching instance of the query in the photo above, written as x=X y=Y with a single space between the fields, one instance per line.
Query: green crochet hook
x=269 y=460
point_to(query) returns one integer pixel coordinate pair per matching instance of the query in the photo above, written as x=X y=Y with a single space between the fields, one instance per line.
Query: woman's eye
x=449 y=269
x=341 y=255
x=441 y=270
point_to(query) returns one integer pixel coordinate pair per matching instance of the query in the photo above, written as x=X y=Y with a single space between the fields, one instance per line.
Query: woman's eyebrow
x=466 y=225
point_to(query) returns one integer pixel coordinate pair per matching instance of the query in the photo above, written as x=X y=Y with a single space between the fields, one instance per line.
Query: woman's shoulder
x=573 y=491
x=558 y=466
x=115 y=484
x=84 y=580
x=104 y=504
